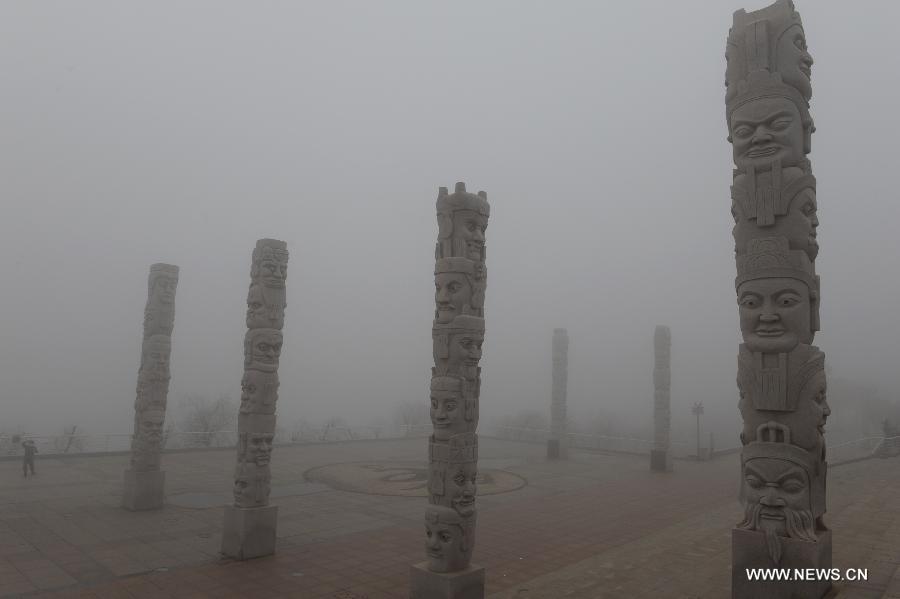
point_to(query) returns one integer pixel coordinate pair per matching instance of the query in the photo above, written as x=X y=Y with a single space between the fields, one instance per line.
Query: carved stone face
x=465 y=350
x=818 y=390
x=163 y=291
x=265 y=349
x=765 y=130
x=469 y=227
x=272 y=272
x=151 y=426
x=257 y=447
x=453 y=293
x=259 y=391
x=775 y=314
x=799 y=225
x=794 y=60
x=447 y=413
x=155 y=357
x=464 y=488
x=251 y=486
x=259 y=313
x=777 y=486
x=445 y=541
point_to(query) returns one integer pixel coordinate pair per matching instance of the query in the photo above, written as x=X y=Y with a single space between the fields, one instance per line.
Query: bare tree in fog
x=409 y=415
x=205 y=416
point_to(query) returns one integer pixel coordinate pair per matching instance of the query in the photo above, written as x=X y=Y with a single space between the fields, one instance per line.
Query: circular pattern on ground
x=406 y=479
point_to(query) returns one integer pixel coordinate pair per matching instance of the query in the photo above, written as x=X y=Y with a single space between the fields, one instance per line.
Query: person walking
x=28 y=461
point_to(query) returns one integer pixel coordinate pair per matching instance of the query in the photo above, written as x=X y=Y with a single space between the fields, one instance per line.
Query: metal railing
x=849 y=451
x=66 y=444
x=587 y=441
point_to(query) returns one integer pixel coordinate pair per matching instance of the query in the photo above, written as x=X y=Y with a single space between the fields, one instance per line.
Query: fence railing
x=865 y=447
x=589 y=441
x=174 y=440
x=862 y=448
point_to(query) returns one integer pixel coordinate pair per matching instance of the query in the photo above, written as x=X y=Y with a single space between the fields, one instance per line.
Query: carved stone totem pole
x=458 y=332
x=144 y=481
x=781 y=376
x=660 y=458
x=557 y=445
x=250 y=523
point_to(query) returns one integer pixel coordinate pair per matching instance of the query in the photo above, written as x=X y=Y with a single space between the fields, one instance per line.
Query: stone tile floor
x=595 y=526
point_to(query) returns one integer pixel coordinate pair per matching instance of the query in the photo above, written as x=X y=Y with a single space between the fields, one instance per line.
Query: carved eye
x=434 y=404
x=743 y=131
x=753 y=481
x=450 y=406
x=793 y=486
x=808 y=208
x=781 y=124
x=471 y=225
x=427 y=533
x=446 y=537
x=788 y=301
x=459 y=479
x=749 y=301
x=454 y=287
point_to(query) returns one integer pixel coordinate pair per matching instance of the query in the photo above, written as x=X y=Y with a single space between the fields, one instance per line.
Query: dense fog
x=183 y=132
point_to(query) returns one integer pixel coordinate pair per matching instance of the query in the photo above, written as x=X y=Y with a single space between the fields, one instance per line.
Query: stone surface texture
x=781 y=375
x=249 y=526
x=660 y=459
x=560 y=378
x=143 y=488
x=460 y=280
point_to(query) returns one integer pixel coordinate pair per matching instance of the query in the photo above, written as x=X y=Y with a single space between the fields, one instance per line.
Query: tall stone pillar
x=458 y=332
x=781 y=376
x=557 y=445
x=660 y=458
x=249 y=529
x=144 y=480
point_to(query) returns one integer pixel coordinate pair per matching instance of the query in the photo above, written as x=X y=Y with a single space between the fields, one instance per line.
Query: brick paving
x=594 y=526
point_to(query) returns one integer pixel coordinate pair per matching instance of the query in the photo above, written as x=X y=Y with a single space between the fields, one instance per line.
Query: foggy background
x=135 y=133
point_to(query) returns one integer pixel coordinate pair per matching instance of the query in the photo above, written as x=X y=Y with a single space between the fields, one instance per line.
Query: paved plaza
x=350 y=525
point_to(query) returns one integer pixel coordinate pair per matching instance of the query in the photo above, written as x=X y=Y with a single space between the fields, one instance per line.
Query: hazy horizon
x=182 y=133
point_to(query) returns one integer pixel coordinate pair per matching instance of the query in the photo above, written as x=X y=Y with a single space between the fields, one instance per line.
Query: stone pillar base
x=748 y=550
x=465 y=584
x=660 y=460
x=556 y=450
x=144 y=490
x=249 y=532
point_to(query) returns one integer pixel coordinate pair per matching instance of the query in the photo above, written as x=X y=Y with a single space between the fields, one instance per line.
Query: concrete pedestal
x=249 y=532
x=144 y=490
x=660 y=460
x=748 y=550
x=465 y=584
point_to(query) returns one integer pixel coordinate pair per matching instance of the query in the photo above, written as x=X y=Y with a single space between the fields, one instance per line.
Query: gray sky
x=182 y=132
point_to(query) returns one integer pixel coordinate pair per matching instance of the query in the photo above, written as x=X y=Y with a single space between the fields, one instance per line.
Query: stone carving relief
x=458 y=336
x=449 y=539
x=154 y=374
x=259 y=384
x=662 y=413
x=781 y=374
